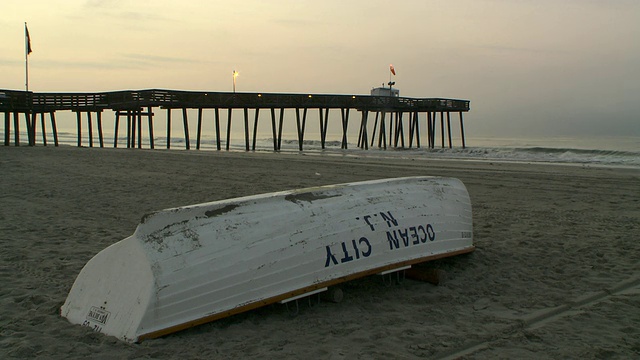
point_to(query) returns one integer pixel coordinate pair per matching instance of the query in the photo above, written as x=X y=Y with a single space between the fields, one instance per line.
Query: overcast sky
x=529 y=67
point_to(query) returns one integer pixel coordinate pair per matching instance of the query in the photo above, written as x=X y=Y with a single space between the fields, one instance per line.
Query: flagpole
x=26 y=56
x=235 y=75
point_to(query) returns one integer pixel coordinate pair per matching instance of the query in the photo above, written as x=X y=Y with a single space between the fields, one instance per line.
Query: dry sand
x=556 y=273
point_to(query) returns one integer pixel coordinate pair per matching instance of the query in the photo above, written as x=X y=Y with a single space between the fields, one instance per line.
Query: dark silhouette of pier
x=395 y=119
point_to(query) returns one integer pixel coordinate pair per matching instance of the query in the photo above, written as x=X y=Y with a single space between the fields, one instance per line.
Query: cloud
x=124 y=61
x=10 y=62
x=145 y=59
x=114 y=9
x=77 y=65
x=101 y=3
x=515 y=49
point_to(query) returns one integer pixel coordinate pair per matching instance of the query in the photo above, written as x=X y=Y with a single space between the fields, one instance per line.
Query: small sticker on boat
x=98 y=315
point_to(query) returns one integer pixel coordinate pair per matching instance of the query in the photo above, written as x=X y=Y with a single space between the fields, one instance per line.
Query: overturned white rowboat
x=190 y=265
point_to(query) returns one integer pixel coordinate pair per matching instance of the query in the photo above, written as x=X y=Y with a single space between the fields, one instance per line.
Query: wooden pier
x=396 y=120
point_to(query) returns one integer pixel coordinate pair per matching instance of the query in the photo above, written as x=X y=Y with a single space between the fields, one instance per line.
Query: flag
x=393 y=70
x=26 y=33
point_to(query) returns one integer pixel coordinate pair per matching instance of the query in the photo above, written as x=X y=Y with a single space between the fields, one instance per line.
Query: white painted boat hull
x=194 y=264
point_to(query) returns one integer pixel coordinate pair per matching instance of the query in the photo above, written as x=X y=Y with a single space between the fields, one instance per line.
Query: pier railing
x=11 y=100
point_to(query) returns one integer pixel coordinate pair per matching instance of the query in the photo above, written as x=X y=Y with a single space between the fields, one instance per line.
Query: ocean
x=622 y=151
x=612 y=152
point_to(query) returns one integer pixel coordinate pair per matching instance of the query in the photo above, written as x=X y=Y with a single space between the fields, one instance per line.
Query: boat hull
x=194 y=264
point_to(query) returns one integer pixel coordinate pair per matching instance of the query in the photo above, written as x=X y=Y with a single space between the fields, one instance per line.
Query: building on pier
x=385 y=91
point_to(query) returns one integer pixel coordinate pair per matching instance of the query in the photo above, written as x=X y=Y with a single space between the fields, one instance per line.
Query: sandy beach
x=556 y=273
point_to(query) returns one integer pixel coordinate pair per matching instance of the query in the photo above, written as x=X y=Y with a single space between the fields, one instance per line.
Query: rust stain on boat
x=221 y=211
x=147 y=216
x=308 y=197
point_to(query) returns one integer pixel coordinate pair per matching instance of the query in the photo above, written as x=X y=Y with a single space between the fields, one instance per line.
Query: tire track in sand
x=542 y=317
